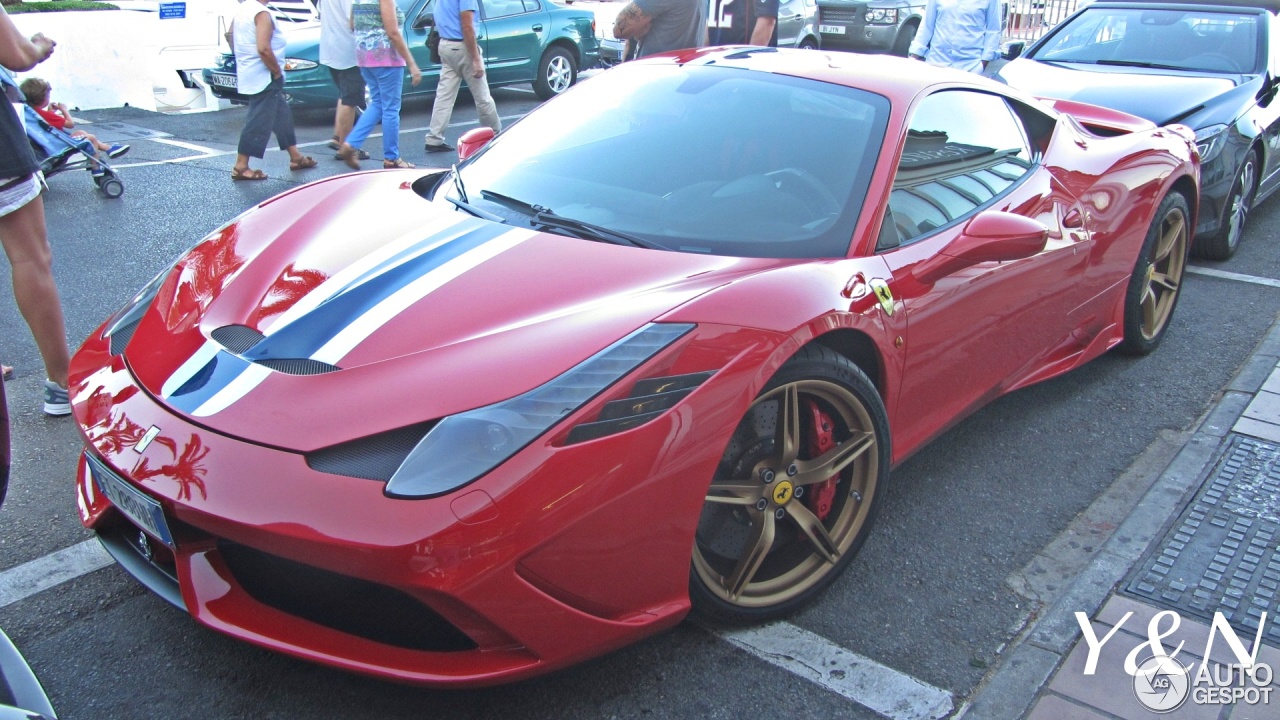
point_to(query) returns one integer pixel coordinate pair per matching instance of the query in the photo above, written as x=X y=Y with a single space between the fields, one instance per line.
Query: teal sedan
x=534 y=42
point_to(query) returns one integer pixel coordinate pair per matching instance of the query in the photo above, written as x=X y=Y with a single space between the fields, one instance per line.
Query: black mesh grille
x=121 y=337
x=298 y=366
x=376 y=457
x=237 y=338
x=346 y=604
x=841 y=15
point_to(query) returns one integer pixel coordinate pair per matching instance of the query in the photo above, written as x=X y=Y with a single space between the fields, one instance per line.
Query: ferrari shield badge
x=883 y=294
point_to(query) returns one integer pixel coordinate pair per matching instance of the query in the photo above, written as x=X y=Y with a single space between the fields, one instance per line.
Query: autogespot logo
x=1161 y=684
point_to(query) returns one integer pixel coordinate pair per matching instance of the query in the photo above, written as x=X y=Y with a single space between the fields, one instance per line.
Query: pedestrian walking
x=258 y=45
x=382 y=55
x=460 y=59
x=338 y=53
x=22 y=226
x=963 y=34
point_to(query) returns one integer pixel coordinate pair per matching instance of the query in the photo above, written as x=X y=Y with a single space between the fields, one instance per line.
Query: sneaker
x=116 y=151
x=56 y=401
x=442 y=147
x=98 y=172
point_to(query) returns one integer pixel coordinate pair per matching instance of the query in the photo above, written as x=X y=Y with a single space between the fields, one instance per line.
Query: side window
x=963 y=149
x=425 y=17
x=532 y=5
x=501 y=8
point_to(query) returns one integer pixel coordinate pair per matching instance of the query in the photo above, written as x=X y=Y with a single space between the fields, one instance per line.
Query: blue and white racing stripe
x=342 y=311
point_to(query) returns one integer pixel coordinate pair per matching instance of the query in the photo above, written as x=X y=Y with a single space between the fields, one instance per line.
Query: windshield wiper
x=546 y=217
x=1140 y=64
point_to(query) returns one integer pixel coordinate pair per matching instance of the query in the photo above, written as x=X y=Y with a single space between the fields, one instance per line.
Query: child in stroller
x=59 y=150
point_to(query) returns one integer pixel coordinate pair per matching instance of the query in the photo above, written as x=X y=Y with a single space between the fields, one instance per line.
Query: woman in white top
x=258 y=45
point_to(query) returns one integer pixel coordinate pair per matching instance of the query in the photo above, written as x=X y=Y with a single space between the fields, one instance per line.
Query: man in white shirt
x=963 y=34
x=338 y=53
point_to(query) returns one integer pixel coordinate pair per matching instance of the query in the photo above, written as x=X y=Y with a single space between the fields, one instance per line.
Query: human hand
x=415 y=74
x=477 y=65
x=44 y=44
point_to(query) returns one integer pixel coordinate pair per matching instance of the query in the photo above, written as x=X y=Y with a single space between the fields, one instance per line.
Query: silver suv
x=869 y=25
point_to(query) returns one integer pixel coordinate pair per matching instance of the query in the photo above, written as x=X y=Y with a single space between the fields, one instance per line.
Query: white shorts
x=20 y=194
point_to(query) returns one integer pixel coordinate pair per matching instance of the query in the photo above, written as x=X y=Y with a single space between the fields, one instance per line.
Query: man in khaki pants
x=459 y=59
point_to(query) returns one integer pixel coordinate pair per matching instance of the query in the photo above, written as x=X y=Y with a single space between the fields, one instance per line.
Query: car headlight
x=1210 y=140
x=292 y=64
x=461 y=448
x=877 y=16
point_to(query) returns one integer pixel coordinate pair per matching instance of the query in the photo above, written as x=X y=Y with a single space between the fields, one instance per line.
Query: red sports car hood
x=353 y=306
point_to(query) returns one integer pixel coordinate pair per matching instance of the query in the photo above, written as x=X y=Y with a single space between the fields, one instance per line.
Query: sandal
x=400 y=163
x=302 y=163
x=350 y=156
x=247 y=174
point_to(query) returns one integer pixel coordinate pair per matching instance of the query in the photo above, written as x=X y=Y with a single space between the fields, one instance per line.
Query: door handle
x=537 y=28
x=1074 y=219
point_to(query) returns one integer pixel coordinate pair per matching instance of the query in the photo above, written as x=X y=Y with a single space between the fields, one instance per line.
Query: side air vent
x=649 y=399
x=121 y=337
x=240 y=339
x=237 y=338
x=376 y=457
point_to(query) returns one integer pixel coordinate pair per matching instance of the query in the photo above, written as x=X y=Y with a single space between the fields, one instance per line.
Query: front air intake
x=649 y=398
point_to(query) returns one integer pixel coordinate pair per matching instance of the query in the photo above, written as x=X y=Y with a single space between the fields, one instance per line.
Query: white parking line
x=1223 y=274
x=23 y=581
x=185 y=145
x=893 y=694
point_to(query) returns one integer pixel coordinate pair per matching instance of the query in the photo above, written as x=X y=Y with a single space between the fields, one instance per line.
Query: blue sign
x=173 y=10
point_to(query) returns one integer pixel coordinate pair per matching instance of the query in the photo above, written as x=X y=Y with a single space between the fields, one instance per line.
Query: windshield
x=1198 y=40
x=693 y=159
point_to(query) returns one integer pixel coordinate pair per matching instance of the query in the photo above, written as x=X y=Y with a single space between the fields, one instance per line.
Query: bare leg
x=344 y=118
x=27 y=244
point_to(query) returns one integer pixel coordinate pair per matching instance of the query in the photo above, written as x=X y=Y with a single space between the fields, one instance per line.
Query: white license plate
x=831 y=29
x=223 y=80
x=142 y=510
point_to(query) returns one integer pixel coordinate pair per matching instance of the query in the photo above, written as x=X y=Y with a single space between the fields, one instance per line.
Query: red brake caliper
x=821 y=496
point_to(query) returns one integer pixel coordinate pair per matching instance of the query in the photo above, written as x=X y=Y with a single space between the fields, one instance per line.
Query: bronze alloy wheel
x=1157 y=279
x=795 y=492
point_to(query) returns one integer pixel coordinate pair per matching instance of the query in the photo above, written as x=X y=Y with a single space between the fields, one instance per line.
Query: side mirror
x=991 y=236
x=1013 y=49
x=472 y=140
x=1267 y=92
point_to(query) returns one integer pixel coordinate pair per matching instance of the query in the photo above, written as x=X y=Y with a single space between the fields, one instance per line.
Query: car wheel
x=808 y=44
x=1157 y=278
x=903 y=42
x=795 y=493
x=1223 y=244
x=557 y=72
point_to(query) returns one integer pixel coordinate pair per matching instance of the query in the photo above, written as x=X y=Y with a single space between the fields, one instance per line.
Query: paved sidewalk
x=1199 y=552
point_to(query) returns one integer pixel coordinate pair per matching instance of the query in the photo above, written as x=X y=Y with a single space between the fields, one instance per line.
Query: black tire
x=822 y=502
x=1156 y=282
x=808 y=44
x=902 y=43
x=557 y=72
x=111 y=187
x=1222 y=244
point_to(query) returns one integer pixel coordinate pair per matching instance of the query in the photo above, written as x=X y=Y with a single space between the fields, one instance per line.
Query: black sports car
x=1210 y=65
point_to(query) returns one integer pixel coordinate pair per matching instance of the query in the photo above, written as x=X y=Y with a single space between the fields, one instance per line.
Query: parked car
x=523 y=41
x=1212 y=66
x=877 y=26
x=618 y=363
x=797 y=28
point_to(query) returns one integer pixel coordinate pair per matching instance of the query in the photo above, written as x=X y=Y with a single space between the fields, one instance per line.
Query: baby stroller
x=58 y=152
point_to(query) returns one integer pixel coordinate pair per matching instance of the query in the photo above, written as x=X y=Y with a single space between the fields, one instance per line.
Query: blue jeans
x=386 y=86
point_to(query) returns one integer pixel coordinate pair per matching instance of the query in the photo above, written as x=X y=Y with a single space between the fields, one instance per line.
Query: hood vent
x=240 y=339
x=375 y=457
x=121 y=337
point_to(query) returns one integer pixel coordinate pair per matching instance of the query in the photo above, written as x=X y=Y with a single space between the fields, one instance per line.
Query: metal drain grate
x=1223 y=552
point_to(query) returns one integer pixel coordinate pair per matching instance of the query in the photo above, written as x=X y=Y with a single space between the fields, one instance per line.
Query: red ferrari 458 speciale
x=653 y=348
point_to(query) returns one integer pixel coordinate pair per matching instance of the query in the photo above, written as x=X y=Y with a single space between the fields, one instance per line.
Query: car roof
x=1272 y=6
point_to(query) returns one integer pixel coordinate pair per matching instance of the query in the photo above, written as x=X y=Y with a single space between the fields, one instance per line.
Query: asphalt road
x=927 y=596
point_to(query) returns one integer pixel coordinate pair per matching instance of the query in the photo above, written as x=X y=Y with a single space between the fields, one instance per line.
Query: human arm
x=19 y=53
x=766 y=14
x=991 y=34
x=61 y=110
x=469 y=40
x=264 y=25
x=924 y=35
x=391 y=26
x=632 y=23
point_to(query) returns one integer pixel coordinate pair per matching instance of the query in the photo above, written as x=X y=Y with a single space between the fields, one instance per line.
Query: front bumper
x=560 y=554
x=858 y=36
